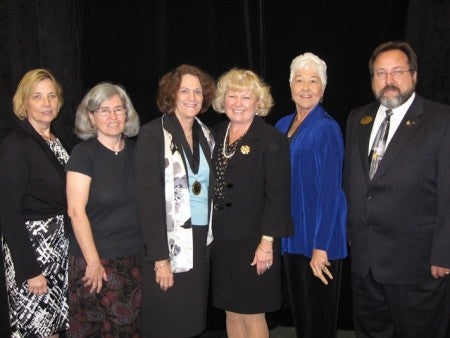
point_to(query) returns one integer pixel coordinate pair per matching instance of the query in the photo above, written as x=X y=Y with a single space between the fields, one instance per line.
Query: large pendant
x=196 y=188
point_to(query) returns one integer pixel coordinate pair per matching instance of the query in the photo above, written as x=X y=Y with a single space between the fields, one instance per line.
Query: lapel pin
x=410 y=123
x=366 y=120
x=245 y=149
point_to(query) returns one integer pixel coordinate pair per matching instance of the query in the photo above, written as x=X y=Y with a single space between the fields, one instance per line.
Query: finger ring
x=447 y=273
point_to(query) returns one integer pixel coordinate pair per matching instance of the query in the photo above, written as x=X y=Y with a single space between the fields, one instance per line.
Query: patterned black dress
x=41 y=316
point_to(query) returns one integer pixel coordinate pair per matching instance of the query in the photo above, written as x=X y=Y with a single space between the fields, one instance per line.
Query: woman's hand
x=263 y=256
x=94 y=276
x=319 y=264
x=163 y=274
x=37 y=285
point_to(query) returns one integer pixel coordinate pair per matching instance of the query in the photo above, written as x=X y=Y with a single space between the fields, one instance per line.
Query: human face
x=189 y=97
x=43 y=104
x=241 y=106
x=111 y=125
x=393 y=90
x=306 y=89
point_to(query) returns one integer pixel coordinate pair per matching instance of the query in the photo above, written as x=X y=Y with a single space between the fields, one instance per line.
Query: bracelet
x=267 y=252
x=160 y=265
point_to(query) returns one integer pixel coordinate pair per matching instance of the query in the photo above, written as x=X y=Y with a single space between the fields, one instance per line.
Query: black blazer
x=399 y=223
x=257 y=184
x=33 y=186
x=149 y=171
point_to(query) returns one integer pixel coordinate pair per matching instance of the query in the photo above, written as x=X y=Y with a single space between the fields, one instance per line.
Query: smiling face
x=306 y=89
x=393 y=88
x=189 y=97
x=241 y=106
x=43 y=104
x=111 y=125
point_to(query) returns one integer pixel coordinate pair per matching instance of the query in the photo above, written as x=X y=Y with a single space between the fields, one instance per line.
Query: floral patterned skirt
x=116 y=310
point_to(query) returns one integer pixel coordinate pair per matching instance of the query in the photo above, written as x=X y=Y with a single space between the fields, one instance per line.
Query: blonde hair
x=25 y=89
x=240 y=80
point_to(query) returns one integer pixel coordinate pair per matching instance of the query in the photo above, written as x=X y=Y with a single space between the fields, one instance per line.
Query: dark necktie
x=379 y=144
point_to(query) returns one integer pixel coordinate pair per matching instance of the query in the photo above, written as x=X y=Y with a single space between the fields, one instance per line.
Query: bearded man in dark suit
x=397 y=185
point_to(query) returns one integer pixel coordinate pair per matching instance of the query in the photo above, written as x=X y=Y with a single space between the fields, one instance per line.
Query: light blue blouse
x=318 y=203
x=199 y=203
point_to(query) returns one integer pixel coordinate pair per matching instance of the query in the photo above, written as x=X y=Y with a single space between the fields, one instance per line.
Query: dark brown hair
x=402 y=46
x=170 y=83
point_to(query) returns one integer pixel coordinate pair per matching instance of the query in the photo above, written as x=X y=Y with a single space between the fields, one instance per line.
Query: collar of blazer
x=410 y=123
x=249 y=142
x=30 y=131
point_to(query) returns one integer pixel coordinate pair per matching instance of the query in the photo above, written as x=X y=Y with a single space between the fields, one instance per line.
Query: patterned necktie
x=379 y=144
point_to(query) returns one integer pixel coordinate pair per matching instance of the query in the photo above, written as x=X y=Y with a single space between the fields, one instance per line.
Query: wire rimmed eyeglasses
x=106 y=111
x=395 y=73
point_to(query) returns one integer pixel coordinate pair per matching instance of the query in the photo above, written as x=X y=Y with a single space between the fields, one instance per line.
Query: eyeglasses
x=396 y=73
x=106 y=111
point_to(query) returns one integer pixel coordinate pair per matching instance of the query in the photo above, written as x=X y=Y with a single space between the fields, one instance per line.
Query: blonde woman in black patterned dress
x=32 y=211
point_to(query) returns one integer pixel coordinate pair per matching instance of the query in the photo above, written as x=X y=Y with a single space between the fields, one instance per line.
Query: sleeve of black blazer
x=440 y=252
x=149 y=171
x=276 y=218
x=15 y=152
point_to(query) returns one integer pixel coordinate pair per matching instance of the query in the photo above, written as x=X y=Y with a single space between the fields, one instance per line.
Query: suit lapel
x=40 y=141
x=248 y=144
x=364 y=130
x=411 y=121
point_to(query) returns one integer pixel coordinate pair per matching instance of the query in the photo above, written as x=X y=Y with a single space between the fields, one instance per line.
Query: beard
x=395 y=101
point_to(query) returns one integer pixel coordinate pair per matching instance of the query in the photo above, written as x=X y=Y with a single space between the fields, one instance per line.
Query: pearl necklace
x=224 y=147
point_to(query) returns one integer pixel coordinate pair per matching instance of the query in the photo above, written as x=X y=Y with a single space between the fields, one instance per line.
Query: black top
x=32 y=187
x=111 y=206
x=256 y=194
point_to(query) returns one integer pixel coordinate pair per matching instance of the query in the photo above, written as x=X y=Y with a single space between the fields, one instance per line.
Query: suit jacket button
x=369 y=198
x=228 y=204
x=230 y=185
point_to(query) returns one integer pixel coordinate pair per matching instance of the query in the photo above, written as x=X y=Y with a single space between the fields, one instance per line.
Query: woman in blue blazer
x=318 y=203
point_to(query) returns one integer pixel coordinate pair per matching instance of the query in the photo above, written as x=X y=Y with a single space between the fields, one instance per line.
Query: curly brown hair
x=170 y=83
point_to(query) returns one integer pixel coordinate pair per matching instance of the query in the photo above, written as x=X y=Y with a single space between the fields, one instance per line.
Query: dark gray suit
x=399 y=222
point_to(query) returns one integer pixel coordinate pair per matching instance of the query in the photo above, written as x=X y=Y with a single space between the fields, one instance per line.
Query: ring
x=267 y=266
x=447 y=273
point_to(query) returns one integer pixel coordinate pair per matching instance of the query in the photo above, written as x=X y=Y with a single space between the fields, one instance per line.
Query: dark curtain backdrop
x=135 y=42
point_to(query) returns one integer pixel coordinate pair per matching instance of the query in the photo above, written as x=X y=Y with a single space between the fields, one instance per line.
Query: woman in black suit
x=251 y=205
x=174 y=191
x=33 y=211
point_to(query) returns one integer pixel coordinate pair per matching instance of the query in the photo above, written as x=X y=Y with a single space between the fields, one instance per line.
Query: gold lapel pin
x=410 y=123
x=366 y=120
x=245 y=149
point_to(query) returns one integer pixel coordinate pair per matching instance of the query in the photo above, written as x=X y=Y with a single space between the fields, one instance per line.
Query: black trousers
x=314 y=305
x=403 y=311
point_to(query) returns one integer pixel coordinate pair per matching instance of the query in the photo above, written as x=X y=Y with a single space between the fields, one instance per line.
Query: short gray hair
x=93 y=100
x=312 y=61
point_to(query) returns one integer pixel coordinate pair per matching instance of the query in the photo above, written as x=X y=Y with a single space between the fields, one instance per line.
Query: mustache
x=389 y=87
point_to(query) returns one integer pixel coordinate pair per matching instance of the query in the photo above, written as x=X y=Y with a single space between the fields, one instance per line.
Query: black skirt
x=181 y=310
x=236 y=286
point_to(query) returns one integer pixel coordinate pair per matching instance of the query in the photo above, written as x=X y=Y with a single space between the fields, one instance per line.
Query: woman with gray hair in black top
x=104 y=262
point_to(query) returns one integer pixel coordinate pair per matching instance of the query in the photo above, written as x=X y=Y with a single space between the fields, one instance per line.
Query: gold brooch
x=366 y=120
x=410 y=123
x=245 y=149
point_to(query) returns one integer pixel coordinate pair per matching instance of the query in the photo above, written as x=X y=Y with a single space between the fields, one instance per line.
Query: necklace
x=224 y=147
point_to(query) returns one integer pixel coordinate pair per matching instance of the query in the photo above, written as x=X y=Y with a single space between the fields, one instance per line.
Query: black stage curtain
x=135 y=42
